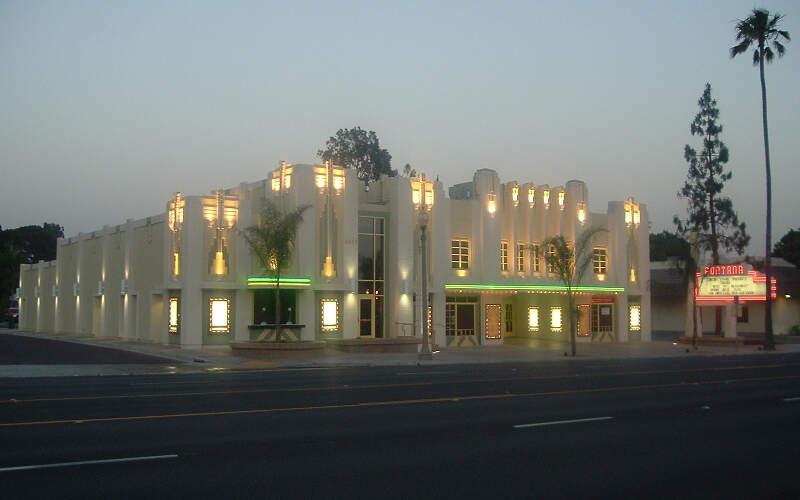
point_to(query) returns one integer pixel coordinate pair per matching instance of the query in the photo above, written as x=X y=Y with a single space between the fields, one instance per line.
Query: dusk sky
x=110 y=107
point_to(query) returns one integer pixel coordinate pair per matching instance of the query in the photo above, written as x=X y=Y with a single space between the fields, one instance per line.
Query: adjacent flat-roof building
x=187 y=277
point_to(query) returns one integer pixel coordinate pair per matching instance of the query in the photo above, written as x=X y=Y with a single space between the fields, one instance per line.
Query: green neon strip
x=542 y=288
x=274 y=281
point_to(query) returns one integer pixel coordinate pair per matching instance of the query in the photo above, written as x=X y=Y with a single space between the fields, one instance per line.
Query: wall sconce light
x=581 y=212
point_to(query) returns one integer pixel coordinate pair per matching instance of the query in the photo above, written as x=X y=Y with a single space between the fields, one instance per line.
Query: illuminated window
x=533 y=319
x=176 y=263
x=635 y=318
x=459 y=254
x=287 y=181
x=219 y=315
x=536 y=256
x=509 y=318
x=551 y=259
x=515 y=195
x=600 y=260
x=173 y=315
x=555 y=319
x=276 y=184
x=504 y=256
x=561 y=200
x=531 y=197
x=521 y=248
x=546 y=198
x=330 y=315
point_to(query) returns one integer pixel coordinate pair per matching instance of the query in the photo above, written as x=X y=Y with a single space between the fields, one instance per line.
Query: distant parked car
x=12 y=316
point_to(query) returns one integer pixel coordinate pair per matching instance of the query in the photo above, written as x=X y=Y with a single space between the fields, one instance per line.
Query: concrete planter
x=278 y=350
x=394 y=344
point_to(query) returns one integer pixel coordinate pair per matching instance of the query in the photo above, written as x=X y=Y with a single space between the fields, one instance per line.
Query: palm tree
x=272 y=241
x=569 y=267
x=762 y=30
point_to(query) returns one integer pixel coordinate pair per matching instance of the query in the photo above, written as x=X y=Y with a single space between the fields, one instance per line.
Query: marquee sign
x=725 y=283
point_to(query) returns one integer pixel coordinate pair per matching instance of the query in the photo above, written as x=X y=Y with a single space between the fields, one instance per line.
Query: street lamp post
x=425 y=353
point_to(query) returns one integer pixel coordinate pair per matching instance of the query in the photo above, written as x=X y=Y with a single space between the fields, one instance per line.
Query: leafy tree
x=25 y=245
x=709 y=212
x=788 y=247
x=360 y=150
x=408 y=171
x=761 y=30
x=665 y=245
x=272 y=241
x=570 y=266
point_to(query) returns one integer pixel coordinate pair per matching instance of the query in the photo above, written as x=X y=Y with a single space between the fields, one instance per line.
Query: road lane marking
x=445 y=399
x=87 y=462
x=791 y=400
x=571 y=376
x=560 y=422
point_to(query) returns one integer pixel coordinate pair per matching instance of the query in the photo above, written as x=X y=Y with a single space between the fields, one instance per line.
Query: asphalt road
x=715 y=427
x=18 y=349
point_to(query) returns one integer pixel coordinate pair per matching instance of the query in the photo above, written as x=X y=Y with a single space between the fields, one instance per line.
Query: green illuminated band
x=534 y=288
x=290 y=282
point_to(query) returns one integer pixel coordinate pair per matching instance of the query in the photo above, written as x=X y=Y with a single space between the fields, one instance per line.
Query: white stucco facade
x=187 y=277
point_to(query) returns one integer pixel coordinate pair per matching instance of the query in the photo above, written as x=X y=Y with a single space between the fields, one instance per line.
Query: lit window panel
x=220 y=316
x=555 y=319
x=330 y=315
x=533 y=319
x=173 y=315
x=636 y=318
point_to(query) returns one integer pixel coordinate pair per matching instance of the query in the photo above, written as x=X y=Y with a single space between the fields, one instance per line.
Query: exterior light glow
x=515 y=195
x=338 y=180
x=321 y=181
x=581 y=212
x=546 y=198
x=219 y=267
x=327 y=267
x=276 y=184
x=531 y=197
x=416 y=196
x=176 y=263
x=561 y=195
x=633 y=275
x=492 y=204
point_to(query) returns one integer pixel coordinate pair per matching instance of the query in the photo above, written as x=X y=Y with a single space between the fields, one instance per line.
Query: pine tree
x=710 y=213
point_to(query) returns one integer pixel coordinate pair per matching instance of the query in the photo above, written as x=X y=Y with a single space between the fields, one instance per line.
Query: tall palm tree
x=272 y=241
x=761 y=30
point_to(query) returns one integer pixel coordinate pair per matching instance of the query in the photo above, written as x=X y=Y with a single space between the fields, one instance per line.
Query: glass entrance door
x=366 y=315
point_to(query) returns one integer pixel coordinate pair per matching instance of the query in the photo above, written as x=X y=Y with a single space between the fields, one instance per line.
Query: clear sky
x=108 y=107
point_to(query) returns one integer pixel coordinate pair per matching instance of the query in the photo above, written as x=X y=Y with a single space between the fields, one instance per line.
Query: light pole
x=425 y=352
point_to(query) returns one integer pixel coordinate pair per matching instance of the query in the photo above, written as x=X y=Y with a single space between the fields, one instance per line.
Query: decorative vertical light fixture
x=515 y=194
x=175 y=219
x=581 y=211
x=425 y=190
x=546 y=198
x=531 y=197
x=561 y=196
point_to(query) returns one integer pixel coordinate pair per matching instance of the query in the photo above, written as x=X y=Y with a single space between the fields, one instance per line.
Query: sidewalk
x=211 y=359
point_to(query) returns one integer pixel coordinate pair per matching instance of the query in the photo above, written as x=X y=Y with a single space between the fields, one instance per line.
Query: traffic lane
x=24 y=350
x=149 y=434
x=333 y=377
x=231 y=399
x=719 y=453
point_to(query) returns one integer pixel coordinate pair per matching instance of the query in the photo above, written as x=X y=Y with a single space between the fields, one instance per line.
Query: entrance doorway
x=370 y=317
x=603 y=321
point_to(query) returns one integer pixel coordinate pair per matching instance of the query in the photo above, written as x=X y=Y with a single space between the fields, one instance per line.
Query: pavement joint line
x=87 y=462
x=381 y=386
x=444 y=399
x=560 y=422
x=791 y=400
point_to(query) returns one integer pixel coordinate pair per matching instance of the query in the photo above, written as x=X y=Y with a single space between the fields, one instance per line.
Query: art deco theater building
x=187 y=276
